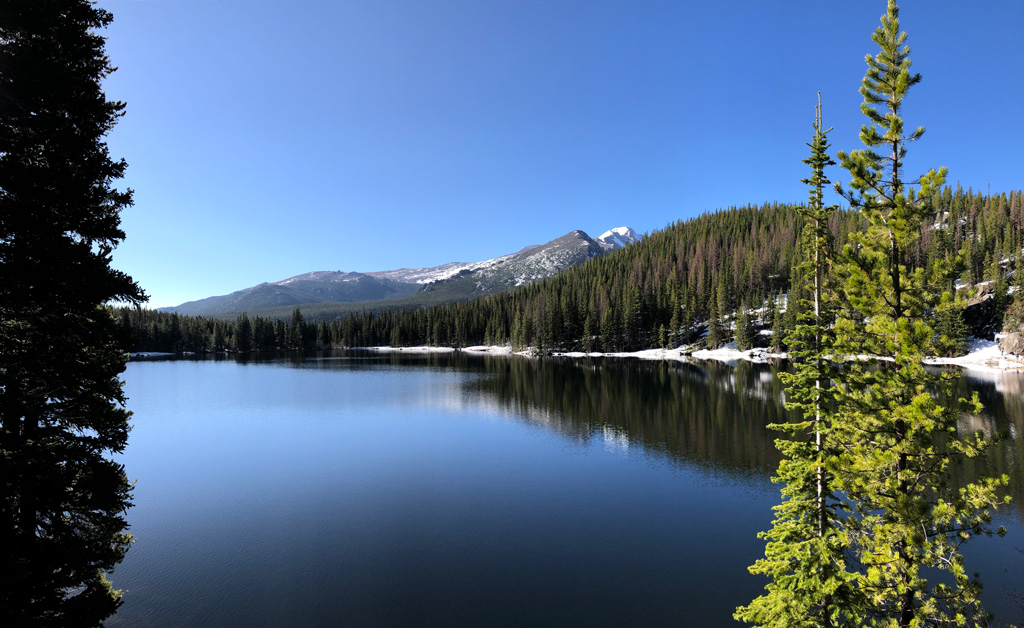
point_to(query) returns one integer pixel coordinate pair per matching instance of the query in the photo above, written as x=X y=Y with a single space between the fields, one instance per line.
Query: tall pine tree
x=62 y=499
x=805 y=552
x=898 y=437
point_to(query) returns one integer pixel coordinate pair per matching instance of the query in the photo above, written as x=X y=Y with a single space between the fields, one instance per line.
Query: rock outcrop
x=980 y=314
x=1012 y=343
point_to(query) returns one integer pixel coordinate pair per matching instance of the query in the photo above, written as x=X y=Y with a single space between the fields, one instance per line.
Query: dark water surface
x=353 y=489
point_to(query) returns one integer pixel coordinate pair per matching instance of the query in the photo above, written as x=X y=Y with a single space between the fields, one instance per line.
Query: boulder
x=1012 y=343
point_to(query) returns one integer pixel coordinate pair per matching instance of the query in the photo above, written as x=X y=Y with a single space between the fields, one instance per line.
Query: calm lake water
x=352 y=489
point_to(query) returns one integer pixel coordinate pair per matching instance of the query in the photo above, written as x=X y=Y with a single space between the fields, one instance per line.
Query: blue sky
x=269 y=138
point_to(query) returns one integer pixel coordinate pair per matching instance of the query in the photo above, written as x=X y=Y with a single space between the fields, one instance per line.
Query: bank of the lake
x=981 y=355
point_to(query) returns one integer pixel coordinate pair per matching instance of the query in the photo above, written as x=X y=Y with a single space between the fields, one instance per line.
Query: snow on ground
x=729 y=353
x=491 y=349
x=410 y=349
x=476 y=349
x=983 y=355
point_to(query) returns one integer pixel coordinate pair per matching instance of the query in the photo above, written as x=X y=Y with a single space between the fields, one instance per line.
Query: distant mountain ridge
x=452 y=281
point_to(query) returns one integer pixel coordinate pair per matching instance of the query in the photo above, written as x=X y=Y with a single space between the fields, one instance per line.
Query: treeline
x=664 y=291
x=173 y=333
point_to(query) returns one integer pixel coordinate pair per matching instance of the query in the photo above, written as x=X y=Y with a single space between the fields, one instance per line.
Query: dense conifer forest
x=724 y=273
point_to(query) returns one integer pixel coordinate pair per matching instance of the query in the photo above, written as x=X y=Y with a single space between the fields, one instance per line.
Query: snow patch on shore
x=421 y=349
x=983 y=355
x=494 y=350
x=728 y=353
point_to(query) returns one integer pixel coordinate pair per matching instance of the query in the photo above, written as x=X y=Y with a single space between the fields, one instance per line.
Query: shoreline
x=982 y=355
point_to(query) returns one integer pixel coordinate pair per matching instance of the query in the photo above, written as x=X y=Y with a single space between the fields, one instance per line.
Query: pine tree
x=323 y=335
x=675 y=324
x=951 y=329
x=633 y=319
x=218 y=336
x=745 y=332
x=280 y=335
x=794 y=299
x=805 y=551
x=716 y=328
x=609 y=330
x=62 y=506
x=898 y=438
x=518 y=331
x=587 y=342
x=244 y=334
x=778 y=327
x=296 y=327
x=395 y=337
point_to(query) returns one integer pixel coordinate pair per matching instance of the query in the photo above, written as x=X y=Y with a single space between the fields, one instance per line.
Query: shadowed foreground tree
x=62 y=500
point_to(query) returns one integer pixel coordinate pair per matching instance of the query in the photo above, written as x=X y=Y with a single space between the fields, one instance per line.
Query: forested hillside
x=662 y=291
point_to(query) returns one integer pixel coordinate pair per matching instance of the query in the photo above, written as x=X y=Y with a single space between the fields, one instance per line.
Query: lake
x=362 y=489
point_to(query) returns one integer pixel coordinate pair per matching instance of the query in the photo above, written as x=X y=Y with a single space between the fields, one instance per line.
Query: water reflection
x=707 y=414
x=395 y=489
x=715 y=414
x=1002 y=418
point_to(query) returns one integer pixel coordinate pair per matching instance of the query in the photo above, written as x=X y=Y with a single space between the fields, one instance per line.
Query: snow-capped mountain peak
x=446 y=283
x=617 y=238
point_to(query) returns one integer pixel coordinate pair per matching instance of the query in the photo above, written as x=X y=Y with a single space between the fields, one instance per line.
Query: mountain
x=315 y=287
x=529 y=265
x=447 y=282
x=617 y=238
x=437 y=273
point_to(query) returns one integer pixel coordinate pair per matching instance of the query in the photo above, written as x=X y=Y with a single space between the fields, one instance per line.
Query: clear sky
x=271 y=138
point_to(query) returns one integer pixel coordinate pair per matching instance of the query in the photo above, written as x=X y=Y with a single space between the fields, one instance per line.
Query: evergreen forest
x=712 y=279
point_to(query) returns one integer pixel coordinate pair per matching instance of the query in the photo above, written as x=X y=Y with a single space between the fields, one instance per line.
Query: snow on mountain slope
x=545 y=260
x=435 y=273
x=529 y=265
x=315 y=287
x=456 y=279
x=323 y=276
x=617 y=238
x=608 y=241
